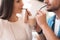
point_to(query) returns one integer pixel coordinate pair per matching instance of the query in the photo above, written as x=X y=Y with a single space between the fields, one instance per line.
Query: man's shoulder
x=51 y=20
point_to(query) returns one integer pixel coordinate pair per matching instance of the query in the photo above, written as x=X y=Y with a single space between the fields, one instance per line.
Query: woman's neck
x=13 y=18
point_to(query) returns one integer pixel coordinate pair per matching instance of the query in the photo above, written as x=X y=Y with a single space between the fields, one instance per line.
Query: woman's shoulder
x=2 y=22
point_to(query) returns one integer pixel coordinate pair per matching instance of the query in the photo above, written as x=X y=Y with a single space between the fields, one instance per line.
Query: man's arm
x=49 y=34
x=41 y=20
x=40 y=33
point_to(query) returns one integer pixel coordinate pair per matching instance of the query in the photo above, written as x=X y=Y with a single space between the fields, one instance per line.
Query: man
x=50 y=28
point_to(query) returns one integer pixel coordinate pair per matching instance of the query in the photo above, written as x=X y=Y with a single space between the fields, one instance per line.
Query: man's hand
x=41 y=18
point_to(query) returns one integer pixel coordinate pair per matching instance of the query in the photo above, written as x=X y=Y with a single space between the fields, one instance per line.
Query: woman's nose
x=22 y=4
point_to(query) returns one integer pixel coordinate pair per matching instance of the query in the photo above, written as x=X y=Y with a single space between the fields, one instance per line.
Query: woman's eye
x=17 y=1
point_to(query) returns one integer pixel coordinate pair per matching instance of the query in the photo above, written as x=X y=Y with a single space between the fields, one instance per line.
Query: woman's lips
x=23 y=8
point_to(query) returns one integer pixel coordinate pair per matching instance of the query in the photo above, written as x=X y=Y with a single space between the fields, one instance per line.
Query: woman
x=11 y=26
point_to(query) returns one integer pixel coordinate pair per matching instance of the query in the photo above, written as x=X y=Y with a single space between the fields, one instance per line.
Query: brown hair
x=6 y=9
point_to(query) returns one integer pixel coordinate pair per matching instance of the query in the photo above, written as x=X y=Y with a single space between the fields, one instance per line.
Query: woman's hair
x=41 y=0
x=6 y=9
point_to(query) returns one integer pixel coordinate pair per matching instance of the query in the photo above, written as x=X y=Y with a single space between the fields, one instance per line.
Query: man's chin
x=50 y=10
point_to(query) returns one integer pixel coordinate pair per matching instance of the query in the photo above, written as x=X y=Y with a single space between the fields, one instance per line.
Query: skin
x=52 y=6
x=17 y=8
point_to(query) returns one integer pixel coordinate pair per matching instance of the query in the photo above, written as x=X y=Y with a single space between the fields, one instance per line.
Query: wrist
x=40 y=32
x=43 y=26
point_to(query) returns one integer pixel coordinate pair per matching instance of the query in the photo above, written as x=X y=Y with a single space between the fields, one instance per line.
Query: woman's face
x=18 y=5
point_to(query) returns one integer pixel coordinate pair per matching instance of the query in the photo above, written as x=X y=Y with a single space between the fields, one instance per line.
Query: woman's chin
x=20 y=11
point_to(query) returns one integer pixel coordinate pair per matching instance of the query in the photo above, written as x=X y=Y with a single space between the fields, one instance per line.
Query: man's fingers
x=40 y=13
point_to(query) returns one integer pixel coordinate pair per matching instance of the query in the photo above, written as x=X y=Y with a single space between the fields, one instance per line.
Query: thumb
x=28 y=12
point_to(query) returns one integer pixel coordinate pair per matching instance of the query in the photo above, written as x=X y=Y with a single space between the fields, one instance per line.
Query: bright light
x=27 y=4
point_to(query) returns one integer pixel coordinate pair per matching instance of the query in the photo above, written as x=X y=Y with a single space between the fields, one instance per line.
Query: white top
x=15 y=30
x=57 y=26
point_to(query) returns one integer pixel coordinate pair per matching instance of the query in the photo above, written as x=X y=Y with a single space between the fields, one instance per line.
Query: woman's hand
x=27 y=14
